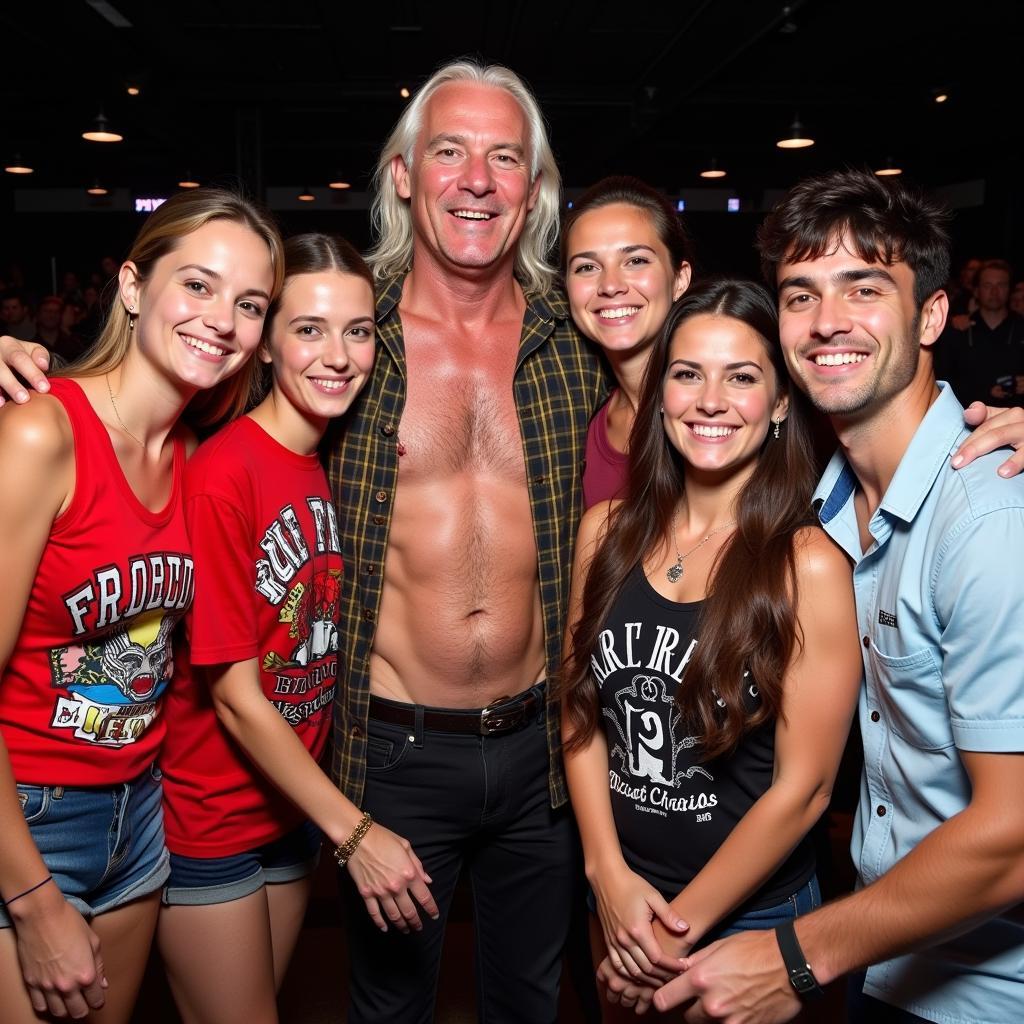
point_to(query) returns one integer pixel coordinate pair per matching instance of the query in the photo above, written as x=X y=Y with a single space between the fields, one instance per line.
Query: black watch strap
x=801 y=977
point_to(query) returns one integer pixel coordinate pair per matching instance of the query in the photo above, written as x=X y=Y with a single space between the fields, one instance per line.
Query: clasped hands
x=645 y=938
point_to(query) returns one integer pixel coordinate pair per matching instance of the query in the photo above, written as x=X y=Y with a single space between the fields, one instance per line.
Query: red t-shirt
x=81 y=694
x=268 y=578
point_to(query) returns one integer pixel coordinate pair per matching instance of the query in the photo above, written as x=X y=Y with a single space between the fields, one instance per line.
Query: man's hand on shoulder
x=995 y=428
x=740 y=980
x=25 y=360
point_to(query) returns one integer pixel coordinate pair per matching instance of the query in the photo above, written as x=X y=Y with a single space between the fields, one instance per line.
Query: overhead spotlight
x=712 y=170
x=133 y=90
x=889 y=170
x=404 y=93
x=96 y=189
x=305 y=196
x=188 y=181
x=940 y=95
x=101 y=131
x=797 y=137
x=339 y=184
x=18 y=166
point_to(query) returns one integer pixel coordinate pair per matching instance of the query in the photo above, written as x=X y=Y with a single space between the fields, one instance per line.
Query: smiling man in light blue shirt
x=939 y=837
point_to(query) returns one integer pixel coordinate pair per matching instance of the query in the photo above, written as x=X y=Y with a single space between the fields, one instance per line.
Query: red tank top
x=80 y=696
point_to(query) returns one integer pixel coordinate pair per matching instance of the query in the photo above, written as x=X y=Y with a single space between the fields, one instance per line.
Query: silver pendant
x=674 y=572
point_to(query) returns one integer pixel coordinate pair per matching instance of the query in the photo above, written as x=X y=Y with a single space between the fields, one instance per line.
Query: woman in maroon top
x=626 y=258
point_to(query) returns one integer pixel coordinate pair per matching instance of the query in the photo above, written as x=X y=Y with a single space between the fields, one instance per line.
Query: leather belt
x=506 y=714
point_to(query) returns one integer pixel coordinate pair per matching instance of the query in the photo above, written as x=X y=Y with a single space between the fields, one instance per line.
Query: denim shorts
x=103 y=845
x=202 y=881
x=803 y=901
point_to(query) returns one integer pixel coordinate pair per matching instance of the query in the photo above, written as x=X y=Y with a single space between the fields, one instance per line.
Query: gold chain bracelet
x=343 y=851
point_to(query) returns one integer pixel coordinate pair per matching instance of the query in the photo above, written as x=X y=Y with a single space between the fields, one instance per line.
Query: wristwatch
x=801 y=977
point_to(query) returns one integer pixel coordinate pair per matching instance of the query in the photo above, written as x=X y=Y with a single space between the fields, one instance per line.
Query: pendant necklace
x=675 y=571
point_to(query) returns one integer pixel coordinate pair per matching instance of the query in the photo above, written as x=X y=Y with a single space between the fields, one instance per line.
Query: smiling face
x=321 y=343
x=851 y=330
x=720 y=394
x=200 y=311
x=619 y=277
x=469 y=182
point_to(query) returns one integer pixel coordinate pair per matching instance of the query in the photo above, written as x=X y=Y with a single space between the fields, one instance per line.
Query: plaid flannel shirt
x=558 y=384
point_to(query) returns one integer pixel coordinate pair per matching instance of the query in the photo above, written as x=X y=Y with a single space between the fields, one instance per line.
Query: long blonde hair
x=160 y=234
x=392 y=218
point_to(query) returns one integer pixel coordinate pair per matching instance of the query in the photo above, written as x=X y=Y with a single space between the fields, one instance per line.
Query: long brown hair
x=748 y=620
x=160 y=234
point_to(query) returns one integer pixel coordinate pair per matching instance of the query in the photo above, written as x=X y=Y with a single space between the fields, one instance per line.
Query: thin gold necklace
x=675 y=571
x=113 y=405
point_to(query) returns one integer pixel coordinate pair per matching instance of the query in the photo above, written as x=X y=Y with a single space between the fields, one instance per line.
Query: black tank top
x=672 y=810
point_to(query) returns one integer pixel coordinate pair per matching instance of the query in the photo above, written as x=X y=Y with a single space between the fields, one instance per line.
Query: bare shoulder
x=594 y=523
x=37 y=430
x=819 y=560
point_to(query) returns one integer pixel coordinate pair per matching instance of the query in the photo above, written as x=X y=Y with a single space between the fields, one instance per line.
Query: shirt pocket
x=911 y=697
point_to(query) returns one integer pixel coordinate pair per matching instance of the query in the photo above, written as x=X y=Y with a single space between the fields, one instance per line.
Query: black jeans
x=480 y=802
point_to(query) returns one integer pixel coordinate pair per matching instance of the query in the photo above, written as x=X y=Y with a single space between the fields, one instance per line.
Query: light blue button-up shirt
x=939 y=600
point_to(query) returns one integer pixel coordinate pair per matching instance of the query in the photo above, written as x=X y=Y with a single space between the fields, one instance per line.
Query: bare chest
x=460 y=413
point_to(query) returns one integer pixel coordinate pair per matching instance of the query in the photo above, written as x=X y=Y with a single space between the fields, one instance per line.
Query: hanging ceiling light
x=305 y=196
x=338 y=183
x=889 y=169
x=404 y=92
x=712 y=170
x=96 y=189
x=101 y=131
x=188 y=181
x=18 y=166
x=797 y=137
x=940 y=96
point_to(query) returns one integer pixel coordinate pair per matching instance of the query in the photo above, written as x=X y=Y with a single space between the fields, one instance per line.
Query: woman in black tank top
x=712 y=663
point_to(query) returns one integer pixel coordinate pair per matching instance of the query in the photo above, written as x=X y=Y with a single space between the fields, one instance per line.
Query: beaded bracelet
x=343 y=851
x=38 y=885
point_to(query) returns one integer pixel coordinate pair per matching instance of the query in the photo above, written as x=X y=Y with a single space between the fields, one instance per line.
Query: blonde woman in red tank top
x=97 y=569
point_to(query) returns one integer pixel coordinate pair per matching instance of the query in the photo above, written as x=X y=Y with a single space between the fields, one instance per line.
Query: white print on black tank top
x=110 y=684
x=646 y=718
x=310 y=668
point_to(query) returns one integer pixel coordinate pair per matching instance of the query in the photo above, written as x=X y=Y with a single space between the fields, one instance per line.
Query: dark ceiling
x=294 y=93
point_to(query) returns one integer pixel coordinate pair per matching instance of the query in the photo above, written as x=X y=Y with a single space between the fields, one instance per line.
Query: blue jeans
x=804 y=900
x=104 y=846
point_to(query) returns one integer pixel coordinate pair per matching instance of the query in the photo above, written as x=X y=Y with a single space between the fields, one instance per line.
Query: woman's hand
x=625 y=991
x=627 y=906
x=387 y=873
x=60 y=956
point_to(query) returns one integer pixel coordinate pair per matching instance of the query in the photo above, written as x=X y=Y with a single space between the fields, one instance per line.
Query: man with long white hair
x=457 y=476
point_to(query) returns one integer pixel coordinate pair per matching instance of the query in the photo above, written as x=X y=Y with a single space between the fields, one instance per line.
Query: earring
x=776 y=431
x=663 y=410
x=131 y=318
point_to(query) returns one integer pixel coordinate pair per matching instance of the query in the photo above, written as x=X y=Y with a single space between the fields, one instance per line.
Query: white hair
x=391 y=215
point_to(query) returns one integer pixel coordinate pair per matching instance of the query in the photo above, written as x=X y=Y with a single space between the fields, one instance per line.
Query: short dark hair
x=632 y=192
x=883 y=220
x=994 y=265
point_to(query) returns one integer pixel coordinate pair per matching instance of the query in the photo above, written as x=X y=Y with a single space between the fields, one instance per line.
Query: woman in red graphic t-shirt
x=96 y=569
x=245 y=799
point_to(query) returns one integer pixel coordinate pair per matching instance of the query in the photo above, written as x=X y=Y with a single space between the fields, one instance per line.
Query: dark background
x=281 y=96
